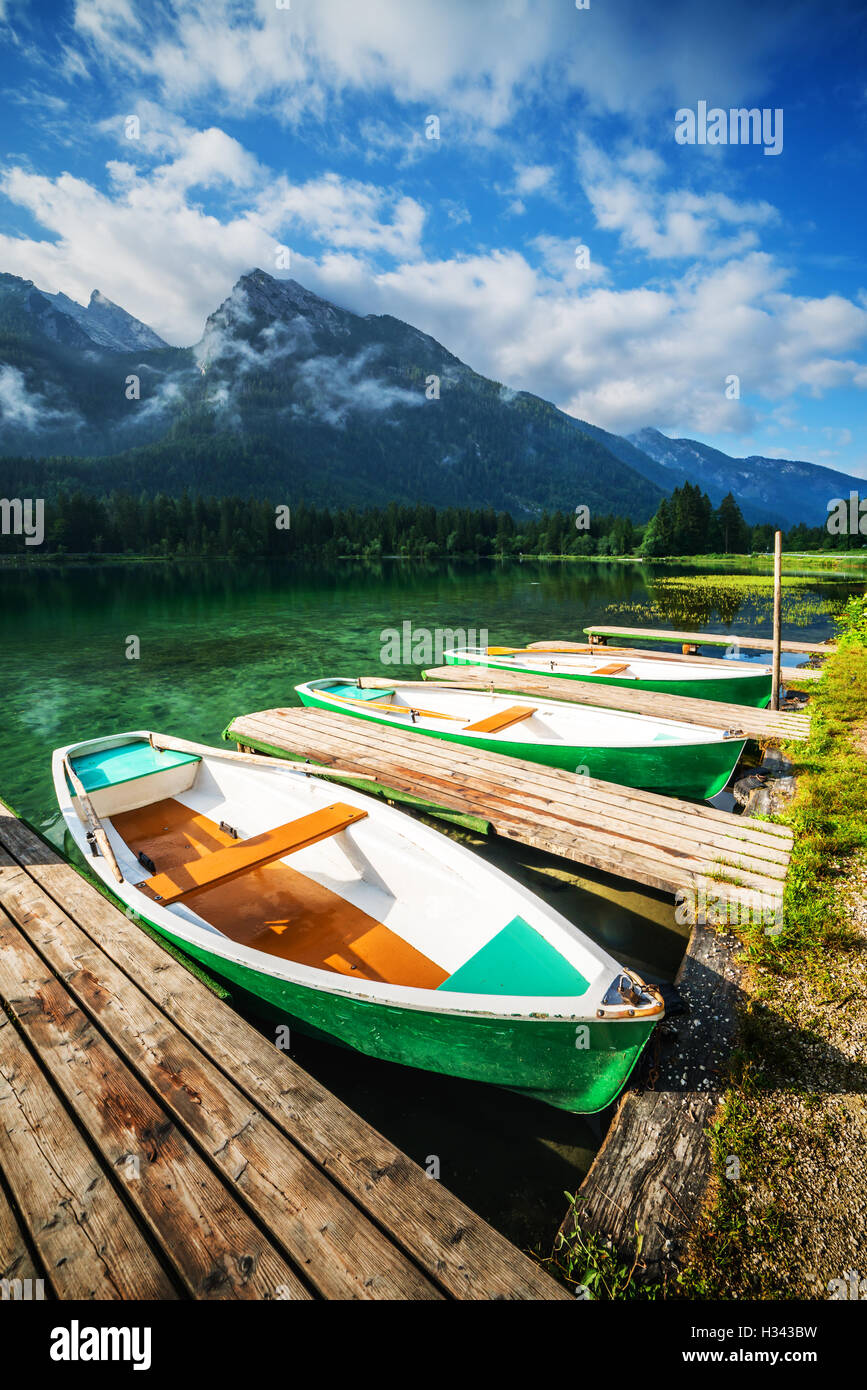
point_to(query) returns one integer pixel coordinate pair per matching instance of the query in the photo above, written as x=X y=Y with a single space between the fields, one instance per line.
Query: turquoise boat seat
x=109 y=767
x=517 y=961
x=354 y=692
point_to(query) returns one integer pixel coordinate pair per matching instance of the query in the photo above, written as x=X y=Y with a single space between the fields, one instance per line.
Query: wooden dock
x=154 y=1145
x=668 y=844
x=598 y=633
x=762 y=724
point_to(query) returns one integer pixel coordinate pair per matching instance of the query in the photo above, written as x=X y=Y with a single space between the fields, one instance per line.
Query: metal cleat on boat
x=629 y=997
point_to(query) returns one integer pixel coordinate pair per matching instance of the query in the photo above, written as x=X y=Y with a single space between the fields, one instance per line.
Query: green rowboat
x=662 y=755
x=743 y=684
x=353 y=921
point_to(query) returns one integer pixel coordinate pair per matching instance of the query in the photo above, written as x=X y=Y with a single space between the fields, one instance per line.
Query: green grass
x=585 y=1264
x=829 y=821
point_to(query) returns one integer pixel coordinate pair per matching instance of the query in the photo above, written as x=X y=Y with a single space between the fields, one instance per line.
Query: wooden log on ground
x=552 y=786
x=16 y=1262
x=216 y=1249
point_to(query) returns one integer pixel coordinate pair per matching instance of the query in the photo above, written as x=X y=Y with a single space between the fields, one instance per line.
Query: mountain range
x=290 y=397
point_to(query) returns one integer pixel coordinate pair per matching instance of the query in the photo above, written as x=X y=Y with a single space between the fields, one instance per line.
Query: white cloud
x=670 y=223
x=559 y=256
x=17 y=405
x=477 y=61
x=457 y=213
x=346 y=214
x=145 y=248
x=337 y=387
x=619 y=358
x=530 y=181
x=401 y=144
x=626 y=358
x=533 y=178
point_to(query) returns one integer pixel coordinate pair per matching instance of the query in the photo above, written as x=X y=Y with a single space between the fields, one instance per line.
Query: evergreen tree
x=733 y=530
x=659 y=536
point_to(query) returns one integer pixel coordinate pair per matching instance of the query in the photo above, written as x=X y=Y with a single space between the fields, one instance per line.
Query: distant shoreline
x=791 y=559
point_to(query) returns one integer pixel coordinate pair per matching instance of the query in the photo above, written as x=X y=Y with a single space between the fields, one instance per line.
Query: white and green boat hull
x=672 y=759
x=580 y=1067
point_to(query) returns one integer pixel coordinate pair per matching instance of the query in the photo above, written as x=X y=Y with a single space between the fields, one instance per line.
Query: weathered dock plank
x=89 y=1245
x=16 y=1261
x=216 y=1249
x=600 y=632
x=763 y=725
x=339 y=1211
x=313 y=1220
x=661 y=841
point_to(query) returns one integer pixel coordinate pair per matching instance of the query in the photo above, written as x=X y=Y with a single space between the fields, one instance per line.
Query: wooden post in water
x=778 y=594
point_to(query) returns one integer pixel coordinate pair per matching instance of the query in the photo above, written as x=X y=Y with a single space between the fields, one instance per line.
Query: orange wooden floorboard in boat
x=276 y=909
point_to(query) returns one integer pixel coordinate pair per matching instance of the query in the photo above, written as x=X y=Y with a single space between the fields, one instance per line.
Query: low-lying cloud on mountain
x=29 y=410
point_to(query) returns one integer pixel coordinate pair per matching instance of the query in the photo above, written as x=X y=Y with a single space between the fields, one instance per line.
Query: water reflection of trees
x=45 y=587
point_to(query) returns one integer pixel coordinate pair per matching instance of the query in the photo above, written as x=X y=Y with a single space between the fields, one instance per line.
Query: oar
x=604 y=650
x=182 y=745
x=97 y=831
x=558 y=646
x=521 y=651
x=393 y=709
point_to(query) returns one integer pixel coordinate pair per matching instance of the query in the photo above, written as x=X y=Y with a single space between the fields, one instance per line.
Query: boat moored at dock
x=735 y=682
x=352 y=920
x=664 y=755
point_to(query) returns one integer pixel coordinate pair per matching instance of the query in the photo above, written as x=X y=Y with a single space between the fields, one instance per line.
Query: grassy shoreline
x=797 y=1077
x=784 y=1211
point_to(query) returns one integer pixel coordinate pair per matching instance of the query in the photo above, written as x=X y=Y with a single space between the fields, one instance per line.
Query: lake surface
x=218 y=639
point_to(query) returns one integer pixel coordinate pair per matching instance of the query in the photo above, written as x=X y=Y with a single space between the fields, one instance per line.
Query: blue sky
x=304 y=129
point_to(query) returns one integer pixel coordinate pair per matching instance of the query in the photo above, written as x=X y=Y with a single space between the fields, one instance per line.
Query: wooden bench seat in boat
x=222 y=865
x=611 y=670
x=503 y=719
x=275 y=908
x=132 y=774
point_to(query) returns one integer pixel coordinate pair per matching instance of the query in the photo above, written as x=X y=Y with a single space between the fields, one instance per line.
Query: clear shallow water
x=220 y=639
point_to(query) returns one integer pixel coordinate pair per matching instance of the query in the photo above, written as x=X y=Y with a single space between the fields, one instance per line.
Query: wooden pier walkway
x=154 y=1145
x=671 y=845
x=599 y=634
x=764 y=725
